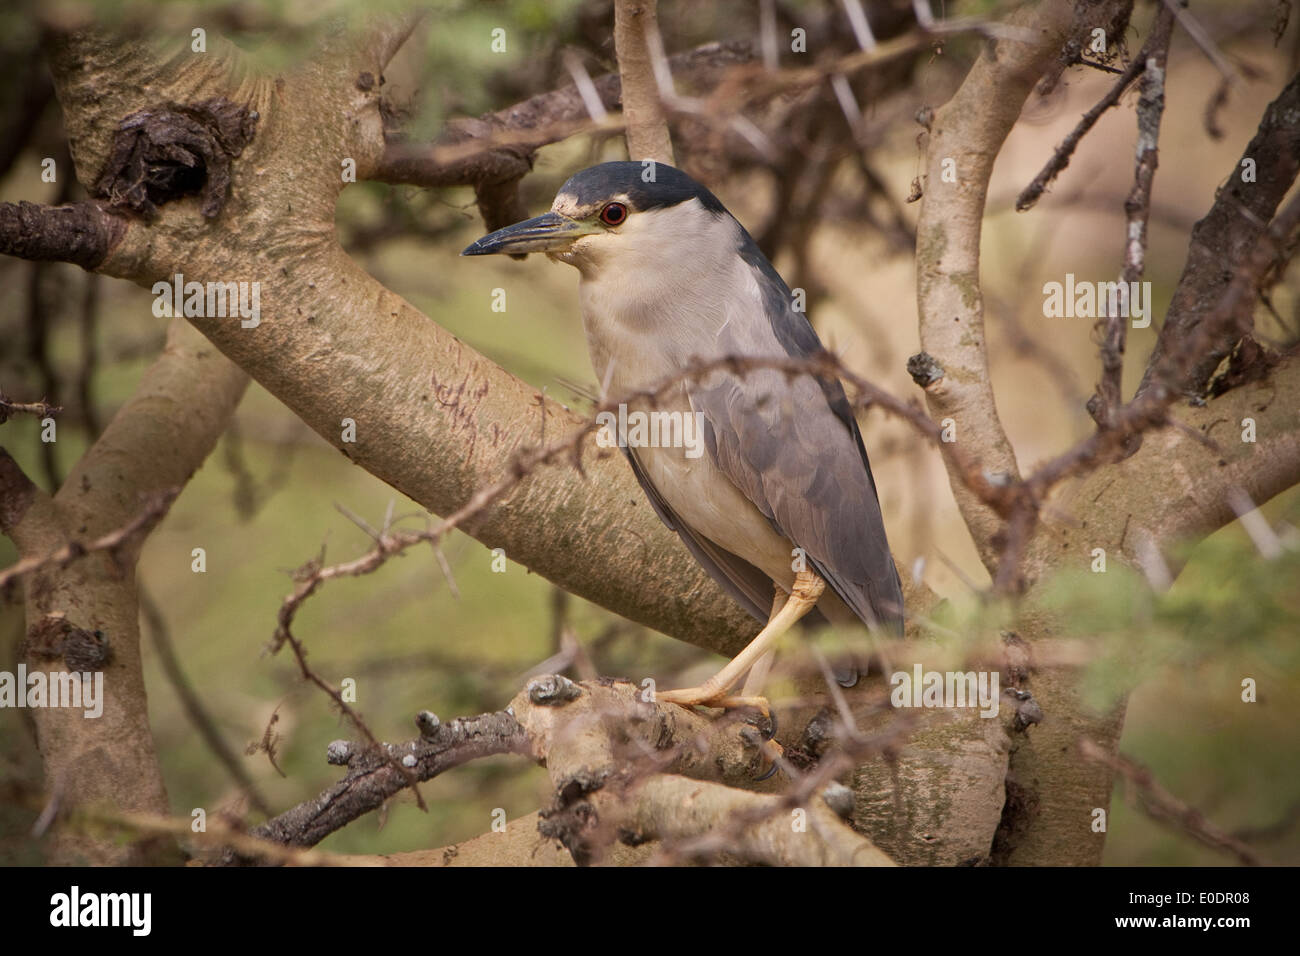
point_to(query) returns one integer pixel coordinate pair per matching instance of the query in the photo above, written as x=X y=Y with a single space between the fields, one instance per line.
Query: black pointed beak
x=549 y=232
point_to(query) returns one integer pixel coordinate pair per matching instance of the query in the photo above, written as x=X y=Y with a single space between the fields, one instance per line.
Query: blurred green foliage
x=1183 y=656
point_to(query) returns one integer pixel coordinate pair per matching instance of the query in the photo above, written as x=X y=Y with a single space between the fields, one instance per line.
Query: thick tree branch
x=629 y=770
x=1178 y=490
x=670 y=808
x=647 y=123
x=19 y=495
x=521 y=844
x=372 y=779
x=1173 y=489
x=623 y=768
x=1190 y=347
x=966 y=135
x=83 y=233
x=153 y=444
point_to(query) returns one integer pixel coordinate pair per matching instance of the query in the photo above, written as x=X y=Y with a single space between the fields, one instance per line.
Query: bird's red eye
x=613 y=214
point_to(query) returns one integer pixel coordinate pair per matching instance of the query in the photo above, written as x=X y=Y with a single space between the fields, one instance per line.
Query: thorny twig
x=497 y=148
x=1150 y=108
x=192 y=704
x=1063 y=153
x=284 y=636
x=1202 y=39
x=155 y=506
x=376 y=775
x=1159 y=804
x=40 y=409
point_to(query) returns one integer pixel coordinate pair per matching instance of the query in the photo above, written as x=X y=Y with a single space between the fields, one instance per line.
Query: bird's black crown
x=647 y=185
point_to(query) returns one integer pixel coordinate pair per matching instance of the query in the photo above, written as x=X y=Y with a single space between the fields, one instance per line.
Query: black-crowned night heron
x=780 y=506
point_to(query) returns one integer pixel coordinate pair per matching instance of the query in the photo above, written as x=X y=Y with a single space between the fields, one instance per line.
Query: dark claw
x=751 y=732
x=766 y=726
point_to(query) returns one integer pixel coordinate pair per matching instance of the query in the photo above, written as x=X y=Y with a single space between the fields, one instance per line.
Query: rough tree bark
x=635 y=21
x=1051 y=791
x=151 y=447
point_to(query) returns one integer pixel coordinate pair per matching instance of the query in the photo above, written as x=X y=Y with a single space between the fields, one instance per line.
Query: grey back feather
x=794 y=448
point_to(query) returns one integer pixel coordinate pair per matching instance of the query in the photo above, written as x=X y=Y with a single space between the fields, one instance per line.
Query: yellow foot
x=769 y=749
x=708 y=697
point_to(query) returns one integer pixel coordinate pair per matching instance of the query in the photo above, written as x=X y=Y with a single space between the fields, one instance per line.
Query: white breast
x=652 y=303
x=705 y=499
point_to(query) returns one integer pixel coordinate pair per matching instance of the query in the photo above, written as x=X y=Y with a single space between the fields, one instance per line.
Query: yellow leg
x=803 y=596
x=758 y=673
x=751 y=695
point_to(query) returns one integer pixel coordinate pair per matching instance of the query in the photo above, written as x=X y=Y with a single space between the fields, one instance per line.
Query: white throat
x=657 y=292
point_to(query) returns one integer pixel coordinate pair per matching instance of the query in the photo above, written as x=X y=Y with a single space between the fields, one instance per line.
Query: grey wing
x=794 y=449
x=747 y=585
x=786 y=450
